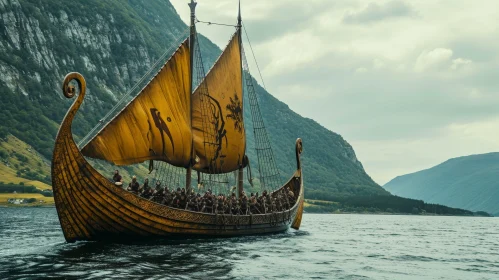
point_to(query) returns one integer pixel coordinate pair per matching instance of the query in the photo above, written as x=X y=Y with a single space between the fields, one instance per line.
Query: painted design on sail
x=163 y=128
x=128 y=137
x=218 y=123
x=225 y=76
x=236 y=113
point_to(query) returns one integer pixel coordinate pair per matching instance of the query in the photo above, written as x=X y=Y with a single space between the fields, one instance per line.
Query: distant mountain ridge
x=468 y=182
x=113 y=43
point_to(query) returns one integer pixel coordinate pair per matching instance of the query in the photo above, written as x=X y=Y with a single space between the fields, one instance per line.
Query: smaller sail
x=217 y=114
x=156 y=125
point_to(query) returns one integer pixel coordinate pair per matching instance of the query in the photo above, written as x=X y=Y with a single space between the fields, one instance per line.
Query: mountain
x=470 y=182
x=22 y=164
x=113 y=43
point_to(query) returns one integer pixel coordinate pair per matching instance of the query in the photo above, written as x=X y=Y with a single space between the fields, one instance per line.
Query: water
x=327 y=247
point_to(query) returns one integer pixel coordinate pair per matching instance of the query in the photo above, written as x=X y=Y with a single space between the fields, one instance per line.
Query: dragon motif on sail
x=236 y=112
x=219 y=126
x=217 y=114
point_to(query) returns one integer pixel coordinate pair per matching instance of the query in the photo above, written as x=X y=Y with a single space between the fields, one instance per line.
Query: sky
x=409 y=84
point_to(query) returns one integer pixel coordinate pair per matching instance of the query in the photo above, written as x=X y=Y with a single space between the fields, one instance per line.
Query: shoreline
x=320 y=213
x=27 y=206
x=394 y=214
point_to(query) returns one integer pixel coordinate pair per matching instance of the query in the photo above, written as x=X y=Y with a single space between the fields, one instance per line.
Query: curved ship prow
x=192 y=129
x=90 y=207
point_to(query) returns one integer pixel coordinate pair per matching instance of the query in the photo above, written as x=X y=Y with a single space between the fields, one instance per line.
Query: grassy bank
x=47 y=201
x=20 y=163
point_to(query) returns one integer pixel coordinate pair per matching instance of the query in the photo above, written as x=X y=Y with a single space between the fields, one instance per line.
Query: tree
x=3 y=132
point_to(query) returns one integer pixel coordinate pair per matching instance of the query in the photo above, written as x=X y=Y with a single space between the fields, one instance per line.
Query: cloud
x=431 y=59
x=459 y=63
x=375 y=12
x=454 y=140
x=361 y=70
x=439 y=59
x=401 y=92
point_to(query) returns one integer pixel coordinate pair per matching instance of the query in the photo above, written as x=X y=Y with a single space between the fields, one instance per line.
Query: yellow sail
x=156 y=125
x=217 y=114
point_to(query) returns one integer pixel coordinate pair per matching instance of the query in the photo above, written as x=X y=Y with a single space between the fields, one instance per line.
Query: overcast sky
x=409 y=84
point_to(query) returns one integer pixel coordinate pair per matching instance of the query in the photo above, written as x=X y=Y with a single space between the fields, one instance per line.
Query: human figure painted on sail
x=163 y=128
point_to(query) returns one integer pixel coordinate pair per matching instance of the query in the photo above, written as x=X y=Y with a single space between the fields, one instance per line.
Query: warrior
x=182 y=199
x=159 y=193
x=243 y=201
x=234 y=207
x=168 y=197
x=144 y=186
x=268 y=202
x=254 y=205
x=176 y=198
x=208 y=202
x=134 y=186
x=221 y=204
x=279 y=203
x=191 y=202
x=146 y=191
x=117 y=178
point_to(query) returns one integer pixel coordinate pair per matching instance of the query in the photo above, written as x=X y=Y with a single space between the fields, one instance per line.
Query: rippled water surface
x=327 y=247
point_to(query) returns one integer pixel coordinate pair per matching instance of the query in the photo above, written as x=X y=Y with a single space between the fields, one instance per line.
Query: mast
x=240 y=173
x=192 y=38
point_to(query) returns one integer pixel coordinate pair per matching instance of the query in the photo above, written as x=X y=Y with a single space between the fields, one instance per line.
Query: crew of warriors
x=209 y=202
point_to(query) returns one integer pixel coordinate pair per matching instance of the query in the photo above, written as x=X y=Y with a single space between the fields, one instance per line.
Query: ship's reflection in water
x=327 y=247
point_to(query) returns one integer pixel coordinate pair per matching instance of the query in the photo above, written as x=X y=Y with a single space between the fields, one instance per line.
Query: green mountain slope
x=470 y=182
x=113 y=43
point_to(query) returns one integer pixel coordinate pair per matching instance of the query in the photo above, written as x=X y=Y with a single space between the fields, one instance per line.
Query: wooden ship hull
x=90 y=207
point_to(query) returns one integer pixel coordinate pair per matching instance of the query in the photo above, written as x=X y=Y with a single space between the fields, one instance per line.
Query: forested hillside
x=470 y=182
x=113 y=43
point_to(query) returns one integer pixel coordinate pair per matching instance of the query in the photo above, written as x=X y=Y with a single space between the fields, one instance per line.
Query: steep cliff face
x=113 y=43
x=106 y=41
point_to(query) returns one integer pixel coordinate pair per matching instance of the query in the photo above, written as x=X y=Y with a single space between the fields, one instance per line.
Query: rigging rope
x=254 y=57
x=214 y=23
x=216 y=182
x=267 y=167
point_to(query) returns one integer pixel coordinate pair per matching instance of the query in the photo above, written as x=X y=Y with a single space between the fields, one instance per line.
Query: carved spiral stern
x=64 y=170
x=297 y=221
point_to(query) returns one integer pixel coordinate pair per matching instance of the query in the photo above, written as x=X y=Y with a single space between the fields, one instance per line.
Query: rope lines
x=254 y=58
x=217 y=182
x=270 y=177
x=215 y=23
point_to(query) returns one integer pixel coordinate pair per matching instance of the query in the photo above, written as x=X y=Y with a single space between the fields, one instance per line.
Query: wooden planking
x=177 y=227
x=90 y=190
x=97 y=207
x=90 y=207
x=97 y=195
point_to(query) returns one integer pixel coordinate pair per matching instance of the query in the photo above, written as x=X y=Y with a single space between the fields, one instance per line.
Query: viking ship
x=181 y=119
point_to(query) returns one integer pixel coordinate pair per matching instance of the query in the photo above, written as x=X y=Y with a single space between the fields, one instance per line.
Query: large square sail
x=156 y=125
x=217 y=114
